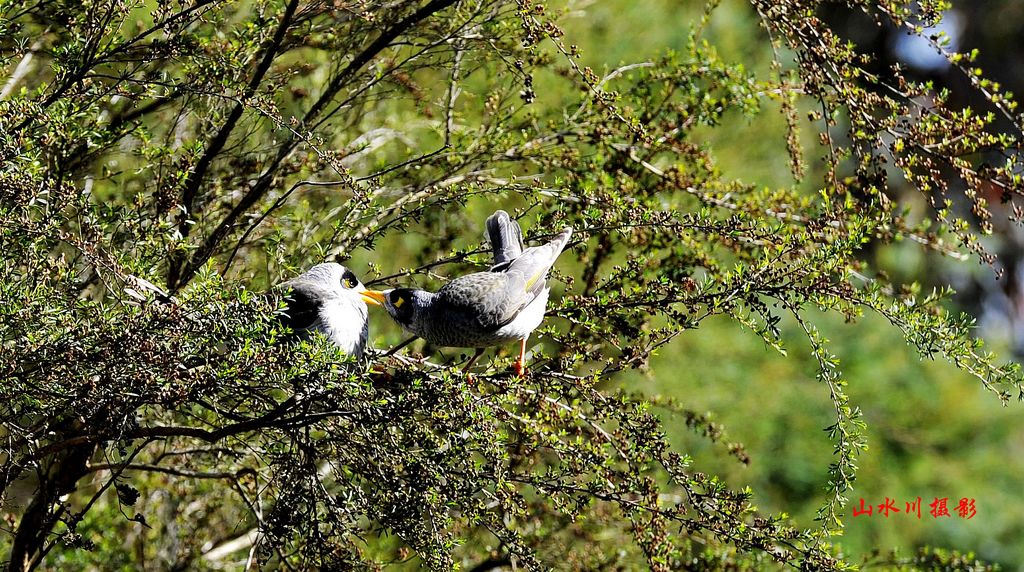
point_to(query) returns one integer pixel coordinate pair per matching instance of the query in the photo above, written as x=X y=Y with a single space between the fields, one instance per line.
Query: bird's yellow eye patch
x=398 y=303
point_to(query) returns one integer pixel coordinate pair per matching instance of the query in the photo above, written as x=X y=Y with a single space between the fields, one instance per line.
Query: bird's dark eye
x=348 y=280
x=402 y=307
x=396 y=299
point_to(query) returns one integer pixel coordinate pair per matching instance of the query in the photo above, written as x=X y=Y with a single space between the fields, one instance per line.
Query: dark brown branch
x=195 y=177
x=146 y=109
x=371 y=51
x=264 y=420
x=262 y=185
x=165 y=470
x=61 y=445
x=162 y=25
x=56 y=478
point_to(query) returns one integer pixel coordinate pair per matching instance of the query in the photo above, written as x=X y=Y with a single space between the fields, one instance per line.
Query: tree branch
x=262 y=185
x=195 y=177
x=165 y=470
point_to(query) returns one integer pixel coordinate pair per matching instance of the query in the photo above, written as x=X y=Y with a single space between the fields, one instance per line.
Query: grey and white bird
x=499 y=306
x=328 y=298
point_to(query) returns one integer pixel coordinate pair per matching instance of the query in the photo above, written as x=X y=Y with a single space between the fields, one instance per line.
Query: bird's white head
x=334 y=277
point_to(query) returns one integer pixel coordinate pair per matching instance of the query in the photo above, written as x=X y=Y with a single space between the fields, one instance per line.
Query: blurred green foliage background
x=933 y=430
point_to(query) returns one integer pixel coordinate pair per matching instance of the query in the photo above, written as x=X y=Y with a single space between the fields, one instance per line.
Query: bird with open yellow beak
x=499 y=306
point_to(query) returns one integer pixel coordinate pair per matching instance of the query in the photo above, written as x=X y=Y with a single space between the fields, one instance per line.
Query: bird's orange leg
x=520 y=365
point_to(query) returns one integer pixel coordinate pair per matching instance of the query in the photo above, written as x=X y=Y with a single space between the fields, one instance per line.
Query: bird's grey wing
x=533 y=264
x=485 y=300
x=490 y=300
x=303 y=311
x=506 y=239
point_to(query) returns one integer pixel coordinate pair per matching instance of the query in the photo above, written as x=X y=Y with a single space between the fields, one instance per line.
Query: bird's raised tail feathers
x=506 y=238
x=535 y=261
x=561 y=240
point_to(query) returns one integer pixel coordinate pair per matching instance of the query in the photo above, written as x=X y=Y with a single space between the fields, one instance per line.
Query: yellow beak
x=373 y=297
